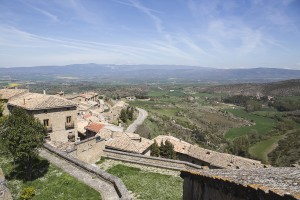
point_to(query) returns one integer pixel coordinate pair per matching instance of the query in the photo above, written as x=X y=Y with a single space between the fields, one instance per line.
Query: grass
x=147 y=185
x=262 y=124
x=53 y=184
x=261 y=149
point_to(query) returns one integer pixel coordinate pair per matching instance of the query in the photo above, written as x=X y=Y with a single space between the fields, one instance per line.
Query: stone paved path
x=107 y=191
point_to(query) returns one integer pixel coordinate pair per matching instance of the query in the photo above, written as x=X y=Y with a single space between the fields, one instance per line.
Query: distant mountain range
x=106 y=72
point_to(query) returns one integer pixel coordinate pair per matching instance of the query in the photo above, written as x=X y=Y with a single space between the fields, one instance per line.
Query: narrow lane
x=143 y=114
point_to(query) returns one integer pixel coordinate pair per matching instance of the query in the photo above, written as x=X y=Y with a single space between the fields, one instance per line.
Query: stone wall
x=115 y=181
x=89 y=150
x=149 y=160
x=4 y=191
x=202 y=187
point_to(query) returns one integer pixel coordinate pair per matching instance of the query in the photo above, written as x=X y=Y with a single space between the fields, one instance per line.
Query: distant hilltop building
x=58 y=115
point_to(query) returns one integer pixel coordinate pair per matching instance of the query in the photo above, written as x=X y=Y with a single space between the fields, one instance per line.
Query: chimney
x=44 y=91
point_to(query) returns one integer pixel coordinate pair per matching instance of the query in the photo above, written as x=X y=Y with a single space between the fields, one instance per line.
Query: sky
x=207 y=33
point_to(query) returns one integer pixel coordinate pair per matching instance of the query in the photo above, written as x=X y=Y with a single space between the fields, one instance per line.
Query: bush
x=28 y=193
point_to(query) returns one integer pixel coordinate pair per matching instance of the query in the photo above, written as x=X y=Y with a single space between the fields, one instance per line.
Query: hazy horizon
x=215 y=34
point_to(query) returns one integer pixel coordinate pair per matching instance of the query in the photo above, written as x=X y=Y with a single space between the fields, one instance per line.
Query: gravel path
x=140 y=119
x=107 y=191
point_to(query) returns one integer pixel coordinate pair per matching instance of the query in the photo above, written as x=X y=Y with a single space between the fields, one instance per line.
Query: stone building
x=84 y=97
x=9 y=94
x=249 y=184
x=129 y=142
x=57 y=114
x=205 y=157
x=93 y=129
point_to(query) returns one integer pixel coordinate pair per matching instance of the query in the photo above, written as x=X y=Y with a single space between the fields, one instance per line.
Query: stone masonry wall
x=150 y=161
x=89 y=150
x=115 y=181
x=57 y=118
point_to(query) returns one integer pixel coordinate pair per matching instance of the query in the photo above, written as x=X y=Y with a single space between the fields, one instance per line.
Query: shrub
x=27 y=193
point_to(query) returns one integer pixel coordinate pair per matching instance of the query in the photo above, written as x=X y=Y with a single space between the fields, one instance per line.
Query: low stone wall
x=89 y=150
x=115 y=181
x=150 y=161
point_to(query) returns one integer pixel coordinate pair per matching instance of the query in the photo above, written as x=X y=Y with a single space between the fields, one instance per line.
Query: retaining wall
x=89 y=150
x=150 y=161
x=115 y=181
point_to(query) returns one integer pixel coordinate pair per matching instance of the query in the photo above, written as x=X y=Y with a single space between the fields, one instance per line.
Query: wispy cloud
x=156 y=20
x=46 y=13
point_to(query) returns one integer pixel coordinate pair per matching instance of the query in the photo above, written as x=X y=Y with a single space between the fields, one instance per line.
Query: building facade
x=58 y=115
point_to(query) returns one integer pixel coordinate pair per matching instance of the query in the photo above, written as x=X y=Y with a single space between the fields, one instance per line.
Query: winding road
x=140 y=119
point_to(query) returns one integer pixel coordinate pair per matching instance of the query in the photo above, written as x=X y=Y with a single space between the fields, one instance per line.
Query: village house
x=57 y=114
x=129 y=142
x=9 y=94
x=83 y=97
x=205 y=157
x=92 y=129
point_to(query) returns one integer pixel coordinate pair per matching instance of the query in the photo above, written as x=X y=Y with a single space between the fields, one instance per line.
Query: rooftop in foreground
x=281 y=180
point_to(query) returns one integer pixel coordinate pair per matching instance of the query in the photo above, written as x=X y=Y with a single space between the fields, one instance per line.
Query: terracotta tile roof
x=85 y=116
x=281 y=180
x=10 y=93
x=222 y=160
x=125 y=143
x=35 y=101
x=88 y=95
x=95 y=127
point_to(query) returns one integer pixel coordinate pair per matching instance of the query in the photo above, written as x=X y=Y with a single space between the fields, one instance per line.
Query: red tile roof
x=95 y=127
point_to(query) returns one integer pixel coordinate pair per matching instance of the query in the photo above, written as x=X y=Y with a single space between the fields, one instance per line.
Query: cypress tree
x=155 y=149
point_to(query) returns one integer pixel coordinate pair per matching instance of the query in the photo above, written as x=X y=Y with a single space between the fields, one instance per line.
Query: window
x=68 y=119
x=46 y=122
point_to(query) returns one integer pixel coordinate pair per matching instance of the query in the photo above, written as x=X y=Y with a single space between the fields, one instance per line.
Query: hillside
x=137 y=73
x=281 y=88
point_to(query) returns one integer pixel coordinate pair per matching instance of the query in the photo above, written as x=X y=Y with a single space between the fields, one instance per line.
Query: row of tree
x=165 y=150
x=248 y=102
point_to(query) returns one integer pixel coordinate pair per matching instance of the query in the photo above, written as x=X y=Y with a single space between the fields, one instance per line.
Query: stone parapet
x=115 y=181
x=150 y=161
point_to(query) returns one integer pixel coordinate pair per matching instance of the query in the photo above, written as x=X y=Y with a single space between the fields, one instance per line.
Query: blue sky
x=210 y=33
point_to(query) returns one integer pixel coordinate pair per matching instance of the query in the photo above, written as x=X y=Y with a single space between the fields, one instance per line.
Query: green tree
x=1 y=108
x=167 y=150
x=240 y=146
x=252 y=105
x=123 y=116
x=155 y=149
x=21 y=135
x=130 y=113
